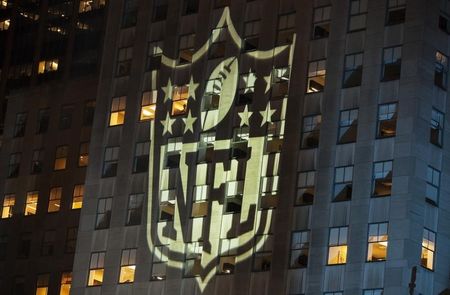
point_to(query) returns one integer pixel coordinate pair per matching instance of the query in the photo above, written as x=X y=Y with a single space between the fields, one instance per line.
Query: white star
x=249 y=81
x=192 y=87
x=267 y=115
x=167 y=90
x=189 y=123
x=245 y=116
x=268 y=80
x=167 y=123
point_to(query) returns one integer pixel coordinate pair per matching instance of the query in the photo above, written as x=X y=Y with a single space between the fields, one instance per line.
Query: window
x=14 y=165
x=382 y=179
x=61 y=157
x=377 y=242
x=180 y=98
x=444 y=23
x=159 y=265
x=392 y=63
x=8 y=206
x=140 y=162
x=88 y=113
x=124 y=59
x=441 y=70
x=321 y=22
x=227 y=252
x=251 y=35
x=333 y=293
x=19 y=127
x=299 y=249
x=148 y=105
x=54 y=202
x=129 y=16
x=90 y=5
x=48 y=243
x=239 y=144
x=117 y=115
x=83 y=155
x=19 y=286
x=205 y=150
x=233 y=197
x=71 y=240
x=316 y=76
x=159 y=10
x=428 y=249
x=154 y=55
x=337 y=246
x=42 y=284
x=311 y=131
x=37 y=161
x=246 y=88
x=269 y=192
x=43 y=121
x=31 y=203
x=104 y=207
x=65 y=118
x=46 y=66
x=172 y=159
x=221 y=3
x=134 y=209
x=286 y=26
x=186 y=49
x=23 y=251
x=353 y=70
x=190 y=6
x=193 y=258
x=66 y=283
x=348 y=126
x=110 y=161
x=280 y=83
x=96 y=269
x=395 y=12
x=358 y=15
x=305 y=188
x=373 y=292
x=211 y=97
x=219 y=38
x=77 y=196
x=200 y=201
x=387 y=120
x=127 y=266
x=343 y=183
x=437 y=128
x=262 y=252
x=3 y=246
x=275 y=137
x=433 y=183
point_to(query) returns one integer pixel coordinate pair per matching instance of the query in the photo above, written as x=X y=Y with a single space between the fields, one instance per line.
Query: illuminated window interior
x=54 y=202
x=148 y=105
x=66 y=282
x=387 y=120
x=382 y=179
x=428 y=249
x=77 y=197
x=46 y=66
x=61 y=157
x=31 y=203
x=316 y=76
x=83 y=157
x=117 y=115
x=337 y=246
x=4 y=24
x=8 y=206
x=377 y=242
x=180 y=97
x=89 y=5
x=96 y=269
x=127 y=266
x=42 y=284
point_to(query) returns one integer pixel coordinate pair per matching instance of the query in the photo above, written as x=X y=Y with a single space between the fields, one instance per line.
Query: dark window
x=23 y=250
x=395 y=12
x=262 y=255
x=441 y=70
x=43 y=121
x=382 y=179
x=14 y=165
x=437 y=128
x=206 y=147
x=392 y=63
x=134 y=210
x=433 y=183
x=321 y=22
x=285 y=29
x=71 y=240
x=305 y=188
x=246 y=88
x=348 y=126
x=3 y=247
x=124 y=59
x=154 y=55
x=311 y=131
x=444 y=23
x=103 y=218
x=110 y=161
x=88 y=113
x=387 y=120
x=233 y=197
x=83 y=155
x=140 y=163
x=239 y=144
x=19 y=127
x=186 y=49
x=299 y=249
x=159 y=10
x=317 y=72
x=190 y=6
x=48 y=243
x=65 y=119
x=221 y=3
x=358 y=15
x=343 y=183
x=218 y=45
x=353 y=69
x=130 y=9
x=37 y=161
x=172 y=160
x=251 y=35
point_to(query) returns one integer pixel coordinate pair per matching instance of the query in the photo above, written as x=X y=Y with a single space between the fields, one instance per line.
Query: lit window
x=54 y=202
x=77 y=196
x=186 y=49
x=127 y=266
x=285 y=29
x=305 y=188
x=8 y=206
x=180 y=97
x=233 y=197
x=193 y=259
x=251 y=35
x=96 y=269
x=227 y=251
x=110 y=161
x=134 y=210
x=387 y=120
x=428 y=249
x=124 y=58
x=83 y=155
x=377 y=242
x=160 y=8
x=348 y=126
x=433 y=183
x=31 y=203
x=14 y=165
x=36 y=161
x=395 y=12
x=159 y=262
x=117 y=115
x=353 y=70
x=141 y=152
x=4 y=24
x=311 y=131
x=441 y=70
x=337 y=246
x=43 y=121
x=20 y=124
x=392 y=63
x=358 y=15
x=71 y=240
x=239 y=144
x=89 y=5
x=382 y=179
x=321 y=22
x=65 y=117
x=103 y=217
x=299 y=249
x=46 y=66
x=343 y=183
x=373 y=292
x=66 y=283
x=42 y=284
x=262 y=252
x=48 y=243
x=218 y=39
x=154 y=55
x=61 y=157
x=148 y=105
x=316 y=76
x=205 y=150
x=437 y=128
